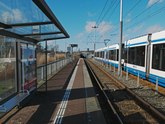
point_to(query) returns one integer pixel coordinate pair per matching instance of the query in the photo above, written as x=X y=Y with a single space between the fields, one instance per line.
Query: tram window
x=102 y=54
x=137 y=55
x=107 y=54
x=111 y=54
x=125 y=51
x=114 y=54
x=97 y=54
x=117 y=55
x=158 y=57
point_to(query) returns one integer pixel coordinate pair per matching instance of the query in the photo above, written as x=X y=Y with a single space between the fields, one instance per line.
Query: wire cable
x=148 y=17
x=102 y=12
x=133 y=7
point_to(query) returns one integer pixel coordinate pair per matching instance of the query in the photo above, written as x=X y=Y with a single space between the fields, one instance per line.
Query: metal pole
x=55 y=54
x=121 y=33
x=156 y=86
x=65 y=53
x=46 y=47
x=127 y=60
x=95 y=38
x=138 y=80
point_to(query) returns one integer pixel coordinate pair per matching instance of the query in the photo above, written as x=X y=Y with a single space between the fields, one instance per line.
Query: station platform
x=80 y=104
x=66 y=101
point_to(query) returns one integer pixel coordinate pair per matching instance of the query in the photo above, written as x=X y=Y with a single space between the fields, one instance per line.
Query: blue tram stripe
x=137 y=43
x=158 y=40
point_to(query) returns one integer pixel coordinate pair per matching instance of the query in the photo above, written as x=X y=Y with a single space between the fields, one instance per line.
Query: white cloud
x=134 y=32
x=104 y=27
x=102 y=32
x=151 y=2
x=154 y=28
x=6 y=16
x=141 y=30
x=14 y=15
x=80 y=35
x=18 y=15
x=89 y=25
x=128 y=20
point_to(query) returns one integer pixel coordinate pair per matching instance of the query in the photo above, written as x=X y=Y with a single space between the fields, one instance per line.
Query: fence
x=52 y=69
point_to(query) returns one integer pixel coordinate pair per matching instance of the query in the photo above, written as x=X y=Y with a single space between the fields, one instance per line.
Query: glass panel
x=28 y=60
x=41 y=37
x=20 y=11
x=102 y=54
x=137 y=55
x=35 y=29
x=107 y=54
x=112 y=55
x=48 y=28
x=7 y=67
x=41 y=61
x=15 y=12
x=158 y=58
x=41 y=55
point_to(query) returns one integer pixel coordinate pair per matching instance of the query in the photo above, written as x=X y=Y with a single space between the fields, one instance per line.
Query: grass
x=52 y=58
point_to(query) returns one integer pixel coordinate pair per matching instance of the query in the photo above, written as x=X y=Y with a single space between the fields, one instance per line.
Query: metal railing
x=52 y=69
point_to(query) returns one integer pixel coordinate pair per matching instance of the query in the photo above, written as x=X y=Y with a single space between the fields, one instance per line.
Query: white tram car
x=144 y=56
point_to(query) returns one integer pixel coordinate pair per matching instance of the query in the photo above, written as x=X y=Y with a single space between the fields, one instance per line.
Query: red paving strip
x=43 y=105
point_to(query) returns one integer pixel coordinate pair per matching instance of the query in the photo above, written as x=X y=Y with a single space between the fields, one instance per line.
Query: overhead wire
x=102 y=12
x=143 y=12
x=98 y=20
x=148 y=16
x=112 y=12
x=108 y=10
x=132 y=8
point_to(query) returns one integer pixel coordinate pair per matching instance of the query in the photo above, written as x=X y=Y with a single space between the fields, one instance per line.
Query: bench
x=15 y=101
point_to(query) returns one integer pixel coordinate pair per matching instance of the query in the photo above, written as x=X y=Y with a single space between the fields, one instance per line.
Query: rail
x=143 y=103
x=115 y=115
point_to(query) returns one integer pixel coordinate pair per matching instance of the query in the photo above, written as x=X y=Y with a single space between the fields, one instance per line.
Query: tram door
x=28 y=67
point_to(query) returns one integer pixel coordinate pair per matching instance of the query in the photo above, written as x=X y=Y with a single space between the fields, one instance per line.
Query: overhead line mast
x=121 y=36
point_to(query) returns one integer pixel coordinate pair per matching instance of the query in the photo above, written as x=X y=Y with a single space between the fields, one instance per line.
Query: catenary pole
x=121 y=35
x=94 y=38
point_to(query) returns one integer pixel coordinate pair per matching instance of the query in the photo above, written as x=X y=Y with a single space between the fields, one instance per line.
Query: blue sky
x=79 y=16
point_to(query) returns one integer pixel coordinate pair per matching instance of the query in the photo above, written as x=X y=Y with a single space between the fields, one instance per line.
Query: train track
x=125 y=103
x=144 y=89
